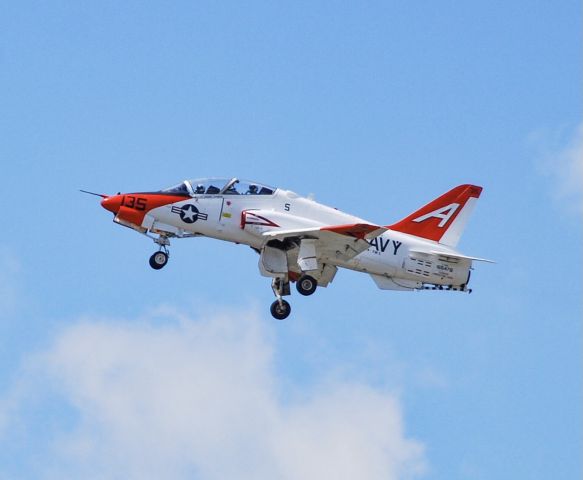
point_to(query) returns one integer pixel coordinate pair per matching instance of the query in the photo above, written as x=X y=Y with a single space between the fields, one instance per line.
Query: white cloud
x=201 y=399
x=563 y=161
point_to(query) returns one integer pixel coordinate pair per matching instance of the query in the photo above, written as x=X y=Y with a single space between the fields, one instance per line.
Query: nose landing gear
x=159 y=259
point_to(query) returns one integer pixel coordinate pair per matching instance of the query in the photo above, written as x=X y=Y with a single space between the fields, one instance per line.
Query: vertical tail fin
x=444 y=219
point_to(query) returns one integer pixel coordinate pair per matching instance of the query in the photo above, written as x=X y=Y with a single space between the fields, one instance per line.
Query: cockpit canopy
x=220 y=186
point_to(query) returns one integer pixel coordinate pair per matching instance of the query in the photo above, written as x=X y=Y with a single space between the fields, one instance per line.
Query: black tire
x=306 y=285
x=280 y=312
x=158 y=260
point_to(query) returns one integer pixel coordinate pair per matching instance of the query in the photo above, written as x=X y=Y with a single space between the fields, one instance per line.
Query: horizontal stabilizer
x=451 y=255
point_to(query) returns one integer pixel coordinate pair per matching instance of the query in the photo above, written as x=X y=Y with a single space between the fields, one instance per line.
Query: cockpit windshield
x=180 y=189
x=225 y=186
x=219 y=186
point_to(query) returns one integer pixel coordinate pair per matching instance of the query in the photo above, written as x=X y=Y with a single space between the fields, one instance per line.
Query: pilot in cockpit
x=199 y=189
x=252 y=190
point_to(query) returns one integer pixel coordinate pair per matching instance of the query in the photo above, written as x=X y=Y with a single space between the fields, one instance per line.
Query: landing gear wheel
x=280 y=311
x=158 y=260
x=306 y=285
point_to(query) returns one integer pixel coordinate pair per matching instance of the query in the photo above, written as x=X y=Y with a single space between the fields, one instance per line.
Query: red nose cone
x=112 y=203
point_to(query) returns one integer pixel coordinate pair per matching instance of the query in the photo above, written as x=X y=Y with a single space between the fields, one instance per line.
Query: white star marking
x=189 y=214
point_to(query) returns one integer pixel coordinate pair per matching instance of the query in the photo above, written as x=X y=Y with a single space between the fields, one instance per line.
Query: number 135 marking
x=138 y=203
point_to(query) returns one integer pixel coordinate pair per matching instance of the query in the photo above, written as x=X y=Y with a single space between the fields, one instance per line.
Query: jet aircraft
x=302 y=241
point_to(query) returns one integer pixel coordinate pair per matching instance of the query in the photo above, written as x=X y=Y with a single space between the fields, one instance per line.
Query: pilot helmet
x=200 y=188
x=253 y=188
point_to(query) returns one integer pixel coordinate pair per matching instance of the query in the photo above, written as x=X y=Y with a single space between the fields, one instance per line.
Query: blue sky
x=376 y=108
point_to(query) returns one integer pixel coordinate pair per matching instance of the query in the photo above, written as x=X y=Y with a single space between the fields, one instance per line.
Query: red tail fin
x=443 y=220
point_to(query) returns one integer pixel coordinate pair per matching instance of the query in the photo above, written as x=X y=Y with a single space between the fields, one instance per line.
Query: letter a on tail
x=444 y=219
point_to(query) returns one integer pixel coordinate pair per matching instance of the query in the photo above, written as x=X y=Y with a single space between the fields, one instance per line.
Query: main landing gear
x=280 y=309
x=160 y=258
x=306 y=285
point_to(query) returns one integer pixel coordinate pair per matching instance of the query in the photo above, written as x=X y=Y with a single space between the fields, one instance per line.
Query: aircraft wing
x=335 y=241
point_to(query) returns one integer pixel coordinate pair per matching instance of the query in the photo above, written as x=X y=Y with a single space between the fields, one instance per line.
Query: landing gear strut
x=280 y=309
x=160 y=258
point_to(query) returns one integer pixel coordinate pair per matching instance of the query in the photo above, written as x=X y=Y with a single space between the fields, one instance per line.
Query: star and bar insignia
x=189 y=213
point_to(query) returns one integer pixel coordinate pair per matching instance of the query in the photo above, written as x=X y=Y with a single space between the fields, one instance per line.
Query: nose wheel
x=158 y=260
